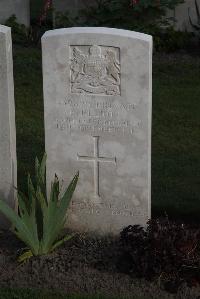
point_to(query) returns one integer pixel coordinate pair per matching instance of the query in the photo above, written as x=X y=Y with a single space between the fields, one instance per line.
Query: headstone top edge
x=5 y=29
x=98 y=30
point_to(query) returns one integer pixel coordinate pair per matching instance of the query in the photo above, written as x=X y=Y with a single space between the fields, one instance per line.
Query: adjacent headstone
x=97 y=103
x=19 y=8
x=181 y=15
x=8 y=164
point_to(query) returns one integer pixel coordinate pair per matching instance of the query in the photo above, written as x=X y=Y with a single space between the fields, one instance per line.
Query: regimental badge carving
x=95 y=70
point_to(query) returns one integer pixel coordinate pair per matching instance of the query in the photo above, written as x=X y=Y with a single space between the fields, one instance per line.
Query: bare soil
x=83 y=265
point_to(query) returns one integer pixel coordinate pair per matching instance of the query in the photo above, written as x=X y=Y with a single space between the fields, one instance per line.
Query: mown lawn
x=29 y=110
x=176 y=128
x=176 y=137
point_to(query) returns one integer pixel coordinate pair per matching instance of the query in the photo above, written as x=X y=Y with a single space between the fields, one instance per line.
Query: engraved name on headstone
x=8 y=163
x=97 y=103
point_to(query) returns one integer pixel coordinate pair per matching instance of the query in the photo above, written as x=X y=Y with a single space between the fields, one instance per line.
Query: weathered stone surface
x=8 y=163
x=97 y=100
x=20 y=8
x=181 y=15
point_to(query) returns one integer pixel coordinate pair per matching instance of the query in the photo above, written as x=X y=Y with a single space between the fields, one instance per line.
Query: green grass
x=175 y=138
x=29 y=110
x=6 y=293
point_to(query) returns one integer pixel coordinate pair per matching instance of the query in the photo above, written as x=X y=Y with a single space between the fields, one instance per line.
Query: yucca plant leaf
x=50 y=212
x=29 y=220
x=60 y=242
x=40 y=169
x=40 y=221
x=29 y=217
x=31 y=195
x=37 y=166
x=66 y=198
x=52 y=205
x=22 y=228
x=41 y=199
x=26 y=255
x=23 y=206
x=53 y=225
x=55 y=191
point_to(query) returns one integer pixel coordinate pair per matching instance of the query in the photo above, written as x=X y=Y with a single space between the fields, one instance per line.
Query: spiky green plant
x=40 y=220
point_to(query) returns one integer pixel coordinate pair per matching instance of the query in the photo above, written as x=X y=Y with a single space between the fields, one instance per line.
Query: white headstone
x=8 y=163
x=97 y=98
x=19 y=8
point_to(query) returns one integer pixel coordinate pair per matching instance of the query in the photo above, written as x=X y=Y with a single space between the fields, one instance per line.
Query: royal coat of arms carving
x=95 y=70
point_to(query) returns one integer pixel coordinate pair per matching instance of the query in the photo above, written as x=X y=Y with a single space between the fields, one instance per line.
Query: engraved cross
x=96 y=160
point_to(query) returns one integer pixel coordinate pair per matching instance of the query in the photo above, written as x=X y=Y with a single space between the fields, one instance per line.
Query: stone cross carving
x=96 y=159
